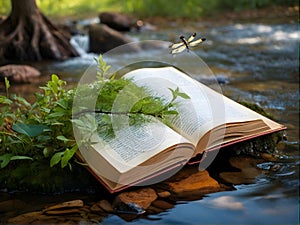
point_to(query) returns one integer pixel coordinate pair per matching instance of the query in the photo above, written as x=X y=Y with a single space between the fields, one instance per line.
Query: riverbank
x=264 y=71
x=269 y=15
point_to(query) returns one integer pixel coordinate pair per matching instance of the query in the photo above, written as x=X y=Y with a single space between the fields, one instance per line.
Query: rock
x=33 y=217
x=11 y=205
x=69 y=207
x=247 y=175
x=95 y=217
x=96 y=208
x=280 y=146
x=106 y=206
x=268 y=157
x=189 y=184
x=163 y=194
x=19 y=73
x=142 y=197
x=102 y=39
x=62 y=212
x=129 y=208
x=162 y=204
x=118 y=21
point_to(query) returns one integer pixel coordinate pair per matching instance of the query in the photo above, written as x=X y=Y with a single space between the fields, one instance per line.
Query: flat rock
x=189 y=183
x=32 y=217
x=106 y=206
x=96 y=208
x=248 y=170
x=142 y=197
x=70 y=207
x=162 y=204
x=19 y=73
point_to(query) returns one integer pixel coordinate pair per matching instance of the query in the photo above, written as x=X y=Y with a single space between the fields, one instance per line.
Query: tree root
x=33 y=37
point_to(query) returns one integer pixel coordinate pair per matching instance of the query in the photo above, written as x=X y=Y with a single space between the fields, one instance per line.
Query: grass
x=147 y=8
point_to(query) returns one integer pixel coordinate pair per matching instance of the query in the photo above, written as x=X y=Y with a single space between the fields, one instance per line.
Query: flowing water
x=252 y=62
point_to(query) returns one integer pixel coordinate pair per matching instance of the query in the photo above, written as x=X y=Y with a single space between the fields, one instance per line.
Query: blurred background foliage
x=147 y=8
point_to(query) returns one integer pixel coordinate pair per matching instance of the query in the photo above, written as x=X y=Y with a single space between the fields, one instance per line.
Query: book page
x=136 y=144
x=204 y=110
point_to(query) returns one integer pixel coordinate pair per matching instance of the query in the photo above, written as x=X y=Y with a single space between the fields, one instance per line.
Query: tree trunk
x=27 y=34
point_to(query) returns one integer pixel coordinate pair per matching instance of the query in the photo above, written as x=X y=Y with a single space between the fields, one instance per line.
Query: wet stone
x=29 y=218
x=62 y=212
x=162 y=204
x=106 y=206
x=248 y=170
x=154 y=210
x=280 y=146
x=70 y=207
x=190 y=183
x=142 y=197
x=96 y=208
x=95 y=217
x=268 y=157
x=163 y=194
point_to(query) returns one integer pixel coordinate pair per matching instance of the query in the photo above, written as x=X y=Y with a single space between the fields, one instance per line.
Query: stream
x=253 y=62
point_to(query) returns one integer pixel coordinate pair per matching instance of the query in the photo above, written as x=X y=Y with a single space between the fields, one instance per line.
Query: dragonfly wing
x=194 y=43
x=176 y=45
x=191 y=37
x=178 y=50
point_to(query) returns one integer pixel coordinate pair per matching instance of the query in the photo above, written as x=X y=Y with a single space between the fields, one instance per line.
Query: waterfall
x=80 y=43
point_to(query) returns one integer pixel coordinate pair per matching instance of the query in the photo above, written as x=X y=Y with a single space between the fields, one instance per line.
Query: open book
x=151 y=152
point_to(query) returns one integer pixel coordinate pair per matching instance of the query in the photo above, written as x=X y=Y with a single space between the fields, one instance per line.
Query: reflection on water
x=252 y=62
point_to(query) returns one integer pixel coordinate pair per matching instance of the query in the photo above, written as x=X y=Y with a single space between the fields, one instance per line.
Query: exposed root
x=33 y=38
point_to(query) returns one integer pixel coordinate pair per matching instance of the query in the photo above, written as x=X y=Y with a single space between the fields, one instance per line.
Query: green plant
x=39 y=130
x=135 y=102
x=44 y=129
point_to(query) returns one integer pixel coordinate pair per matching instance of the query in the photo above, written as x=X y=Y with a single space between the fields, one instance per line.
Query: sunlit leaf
x=5 y=100
x=7 y=85
x=62 y=138
x=68 y=154
x=183 y=95
x=56 y=158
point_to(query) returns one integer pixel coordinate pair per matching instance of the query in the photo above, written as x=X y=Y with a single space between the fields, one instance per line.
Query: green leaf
x=4 y=160
x=56 y=158
x=183 y=95
x=20 y=157
x=21 y=100
x=170 y=112
x=46 y=152
x=54 y=78
x=68 y=154
x=56 y=114
x=30 y=130
x=62 y=138
x=7 y=85
x=62 y=103
x=5 y=100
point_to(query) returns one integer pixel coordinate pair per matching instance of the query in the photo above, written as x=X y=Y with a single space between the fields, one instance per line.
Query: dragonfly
x=185 y=44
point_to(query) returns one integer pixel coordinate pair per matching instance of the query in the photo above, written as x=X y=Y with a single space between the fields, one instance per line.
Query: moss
x=39 y=177
x=256 y=108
